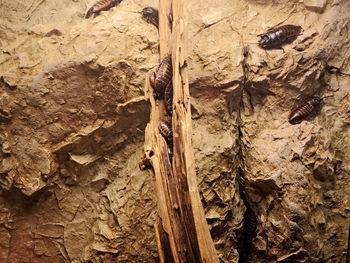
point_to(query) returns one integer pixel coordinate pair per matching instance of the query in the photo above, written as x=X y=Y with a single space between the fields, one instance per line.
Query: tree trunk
x=181 y=229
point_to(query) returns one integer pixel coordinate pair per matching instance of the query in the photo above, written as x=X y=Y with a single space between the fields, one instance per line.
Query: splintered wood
x=181 y=229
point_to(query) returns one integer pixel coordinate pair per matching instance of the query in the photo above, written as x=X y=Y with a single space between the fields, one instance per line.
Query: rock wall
x=72 y=118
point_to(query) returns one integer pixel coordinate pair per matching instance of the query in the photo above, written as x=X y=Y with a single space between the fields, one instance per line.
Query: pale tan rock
x=316 y=5
x=84 y=159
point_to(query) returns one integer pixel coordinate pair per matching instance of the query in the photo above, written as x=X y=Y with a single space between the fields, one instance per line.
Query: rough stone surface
x=316 y=5
x=72 y=115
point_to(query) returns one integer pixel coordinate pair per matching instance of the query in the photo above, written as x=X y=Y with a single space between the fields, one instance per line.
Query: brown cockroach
x=150 y=15
x=170 y=153
x=166 y=131
x=170 y=18
x=279 y=36
x=162 y=77
x=168 y=98
x=102 y=5
x=249 y=224
x=248 y=233
x=304 y=110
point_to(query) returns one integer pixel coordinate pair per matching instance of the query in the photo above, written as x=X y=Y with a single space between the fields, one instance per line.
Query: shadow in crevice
x=249 y=226
x=22 y=203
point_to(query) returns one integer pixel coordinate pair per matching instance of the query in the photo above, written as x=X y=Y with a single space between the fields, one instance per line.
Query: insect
x=170 y=153
x=168 y=98
x=279 y=36
x=248 y=233
x=170 y=17
x=102 y=5
x=166 y=131
x=150 y=15
x=250 y=223
x=304 y=110
x=162 y=77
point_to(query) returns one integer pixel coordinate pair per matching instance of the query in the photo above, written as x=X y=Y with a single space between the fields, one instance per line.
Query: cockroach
x=170 y=153
x=248 y=233
x=279 y=36
x=304 y=110
x=102 y=5
x=168 y=98
x=250 y=223
x=150 y=15
x=170 y=18
x=166 y=131
x=162 y=77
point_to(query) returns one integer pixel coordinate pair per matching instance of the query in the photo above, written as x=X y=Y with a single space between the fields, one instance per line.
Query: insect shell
x=277 y=37
x=150 y=15
x=168 y=98
x=304 y=110
x=162 y=77
x=101 y=5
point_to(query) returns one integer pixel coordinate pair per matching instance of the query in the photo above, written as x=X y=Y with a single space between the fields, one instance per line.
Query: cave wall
x=72 y=119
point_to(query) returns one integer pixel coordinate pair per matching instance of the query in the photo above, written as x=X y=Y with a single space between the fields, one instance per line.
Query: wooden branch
x=165 y=37
x=181 y=229
x=191 y=207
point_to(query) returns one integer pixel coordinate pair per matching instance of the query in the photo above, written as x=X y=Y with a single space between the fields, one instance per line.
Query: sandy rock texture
x=316 y=5
x=72 y=121
x=72 y=116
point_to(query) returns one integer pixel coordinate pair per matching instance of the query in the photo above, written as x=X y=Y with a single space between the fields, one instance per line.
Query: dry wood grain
x=181 y=229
